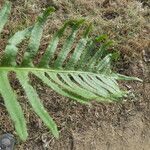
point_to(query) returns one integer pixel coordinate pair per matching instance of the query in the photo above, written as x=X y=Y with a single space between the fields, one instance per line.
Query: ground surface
x=118 y=126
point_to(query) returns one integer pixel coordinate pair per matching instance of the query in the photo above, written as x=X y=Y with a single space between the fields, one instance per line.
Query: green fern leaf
x=85 y=77
x=12 y=105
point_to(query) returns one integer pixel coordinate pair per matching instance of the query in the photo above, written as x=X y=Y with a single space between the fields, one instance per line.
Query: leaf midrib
x=30 y=69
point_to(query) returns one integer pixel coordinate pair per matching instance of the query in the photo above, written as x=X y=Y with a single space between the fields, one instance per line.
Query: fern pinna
x=84 y=77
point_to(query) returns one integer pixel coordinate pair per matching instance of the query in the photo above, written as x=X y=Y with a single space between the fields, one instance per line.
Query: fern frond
x=84 y=77
x=35 y=38
x=11 y=50
x=12 y=105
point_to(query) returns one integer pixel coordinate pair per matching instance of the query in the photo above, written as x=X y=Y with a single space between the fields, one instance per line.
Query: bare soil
x=119 y=126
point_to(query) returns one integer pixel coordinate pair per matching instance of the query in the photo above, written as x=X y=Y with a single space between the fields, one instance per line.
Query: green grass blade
x=4 y=14
x=36 y=103
x=10 y=53
x=12 y=105
x=35 y=38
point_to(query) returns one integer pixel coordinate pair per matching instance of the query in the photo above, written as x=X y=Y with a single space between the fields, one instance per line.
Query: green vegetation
x=82 y=75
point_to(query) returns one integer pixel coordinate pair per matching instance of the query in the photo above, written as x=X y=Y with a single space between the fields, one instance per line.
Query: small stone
x=7 y=142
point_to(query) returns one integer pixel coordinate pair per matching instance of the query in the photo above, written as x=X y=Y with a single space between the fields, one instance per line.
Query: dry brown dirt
x=119 y=126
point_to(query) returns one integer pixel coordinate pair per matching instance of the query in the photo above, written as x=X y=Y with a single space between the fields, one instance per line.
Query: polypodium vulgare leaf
x=84 y=77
